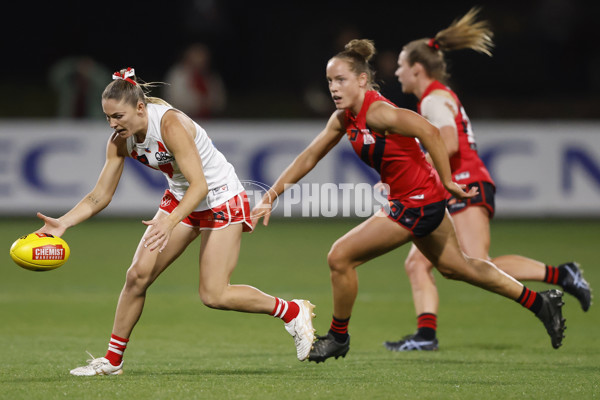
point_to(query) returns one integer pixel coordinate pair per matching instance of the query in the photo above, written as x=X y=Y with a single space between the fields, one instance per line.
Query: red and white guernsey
x=398 y=159
x=220 y=175
x=465 y=164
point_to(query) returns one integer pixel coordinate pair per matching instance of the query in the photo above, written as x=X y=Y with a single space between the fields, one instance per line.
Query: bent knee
x=338 y=259
x=212 y=299
x=416 y=266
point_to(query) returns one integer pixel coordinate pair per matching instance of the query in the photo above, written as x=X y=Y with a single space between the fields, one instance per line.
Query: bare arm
x=178 y=132
x=97 y=199
x=450 y=137
x=302 y=165
x=386 y=118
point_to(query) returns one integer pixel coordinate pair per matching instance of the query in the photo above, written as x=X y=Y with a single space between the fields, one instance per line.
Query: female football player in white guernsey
x=205 y=198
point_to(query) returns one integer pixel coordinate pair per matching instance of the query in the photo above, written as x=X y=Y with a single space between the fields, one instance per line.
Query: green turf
x=490 y=348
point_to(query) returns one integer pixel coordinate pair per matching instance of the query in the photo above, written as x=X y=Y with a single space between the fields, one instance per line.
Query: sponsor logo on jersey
x=417 y=197
x=48 y=252
x=163 y=157
x=221 y=189
x=462 y=175
x=367 y=137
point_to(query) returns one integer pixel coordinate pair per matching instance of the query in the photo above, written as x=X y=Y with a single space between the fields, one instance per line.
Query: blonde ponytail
x=467 y=33
x=463 y=33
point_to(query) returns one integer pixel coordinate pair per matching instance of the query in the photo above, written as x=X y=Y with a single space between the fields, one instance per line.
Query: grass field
x=490 y=348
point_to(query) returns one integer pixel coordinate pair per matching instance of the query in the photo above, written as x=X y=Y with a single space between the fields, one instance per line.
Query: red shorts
x=234 y=211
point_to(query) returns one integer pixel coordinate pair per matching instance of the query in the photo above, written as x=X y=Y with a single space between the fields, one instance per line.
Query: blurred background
x=253 y=75
x=269 y=57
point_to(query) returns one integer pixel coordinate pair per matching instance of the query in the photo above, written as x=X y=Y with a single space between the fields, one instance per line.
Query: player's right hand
x=458 y=191
x=51 y=225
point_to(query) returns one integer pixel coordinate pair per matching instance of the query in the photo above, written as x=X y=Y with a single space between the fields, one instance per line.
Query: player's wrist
x=269 y=196
x=173 y=218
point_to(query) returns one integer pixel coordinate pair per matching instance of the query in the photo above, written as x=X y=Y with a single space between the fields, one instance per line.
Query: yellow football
x=40 y=252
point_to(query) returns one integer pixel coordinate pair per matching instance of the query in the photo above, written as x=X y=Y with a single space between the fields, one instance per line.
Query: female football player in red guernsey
x=383 y=136
x=421 y=71
x=205 y=198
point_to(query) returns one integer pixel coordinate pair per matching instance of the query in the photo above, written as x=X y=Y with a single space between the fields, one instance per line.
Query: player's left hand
x=458 y=191
x=382 y=188
x=261 y=210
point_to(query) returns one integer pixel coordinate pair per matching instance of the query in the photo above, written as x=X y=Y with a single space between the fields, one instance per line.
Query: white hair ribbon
x=129 y=73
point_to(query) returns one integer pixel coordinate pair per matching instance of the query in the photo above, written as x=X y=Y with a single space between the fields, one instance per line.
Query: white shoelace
x=578 y=280
x=413 y=344
x=95 y=362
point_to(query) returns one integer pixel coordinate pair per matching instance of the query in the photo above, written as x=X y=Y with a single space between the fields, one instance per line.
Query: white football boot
x=301 y=329
x=98 y=366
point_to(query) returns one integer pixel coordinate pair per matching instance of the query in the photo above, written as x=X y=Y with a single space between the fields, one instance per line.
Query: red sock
x=286 y=310
x=339 y=329
x=529 y=299
x=339 y=326
x=116 y=348
x=552 y=275
x=427 y=325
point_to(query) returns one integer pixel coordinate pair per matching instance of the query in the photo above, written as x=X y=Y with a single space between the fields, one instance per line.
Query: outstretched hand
x=458 y=191
x=51 y=225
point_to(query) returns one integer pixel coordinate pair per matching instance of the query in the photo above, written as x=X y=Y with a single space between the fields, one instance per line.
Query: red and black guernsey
x=465 y=164
x=398 y=159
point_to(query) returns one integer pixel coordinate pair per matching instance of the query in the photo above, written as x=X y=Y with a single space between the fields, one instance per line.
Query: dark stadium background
x=546 y=63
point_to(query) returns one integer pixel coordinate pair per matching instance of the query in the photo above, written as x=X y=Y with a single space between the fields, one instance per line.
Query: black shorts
x=485 y=198
x=420 y=221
